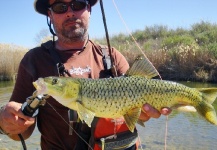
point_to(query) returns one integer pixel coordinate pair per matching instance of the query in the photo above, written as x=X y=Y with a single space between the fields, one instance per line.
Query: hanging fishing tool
x=31 y=108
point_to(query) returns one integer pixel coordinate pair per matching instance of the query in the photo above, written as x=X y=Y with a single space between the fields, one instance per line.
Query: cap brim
x=93 y=2
x=40 y=6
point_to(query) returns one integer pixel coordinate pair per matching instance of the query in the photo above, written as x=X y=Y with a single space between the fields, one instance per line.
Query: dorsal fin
x=142 y=67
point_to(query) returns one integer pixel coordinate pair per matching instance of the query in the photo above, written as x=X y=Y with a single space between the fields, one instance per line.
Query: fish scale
x=124 y=96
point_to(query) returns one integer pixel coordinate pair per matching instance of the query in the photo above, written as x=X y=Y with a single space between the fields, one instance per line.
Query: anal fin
x=141 y=123
x=131 y=118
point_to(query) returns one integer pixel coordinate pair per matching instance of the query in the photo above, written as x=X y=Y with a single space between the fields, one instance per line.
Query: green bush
x=212 y=49
x=178 y=54
x=204 y=33
x=176 y=40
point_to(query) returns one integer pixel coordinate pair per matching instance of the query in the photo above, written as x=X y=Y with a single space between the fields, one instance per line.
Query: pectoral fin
x=85 y=115
x=131 y=118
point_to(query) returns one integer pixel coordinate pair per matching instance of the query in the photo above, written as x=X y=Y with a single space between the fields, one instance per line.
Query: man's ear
x=89 y=8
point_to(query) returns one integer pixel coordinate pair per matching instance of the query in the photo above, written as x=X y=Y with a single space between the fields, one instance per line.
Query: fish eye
x=54 y=81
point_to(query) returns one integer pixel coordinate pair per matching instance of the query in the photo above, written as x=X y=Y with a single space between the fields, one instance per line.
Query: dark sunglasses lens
x=78 y=5
x=59 y=8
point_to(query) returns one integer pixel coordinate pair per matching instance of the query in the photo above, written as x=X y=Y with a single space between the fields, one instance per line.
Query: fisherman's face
x=71 y=26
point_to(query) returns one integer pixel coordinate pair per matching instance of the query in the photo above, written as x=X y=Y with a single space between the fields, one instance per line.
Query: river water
x=180 y=131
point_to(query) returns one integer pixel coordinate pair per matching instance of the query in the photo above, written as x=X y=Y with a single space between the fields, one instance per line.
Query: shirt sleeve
x=23 y=87
x=120 y=61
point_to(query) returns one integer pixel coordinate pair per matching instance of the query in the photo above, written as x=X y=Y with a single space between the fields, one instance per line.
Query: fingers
x=15 y=109
x=150 y=112
x=165 y=111
x=13 y=121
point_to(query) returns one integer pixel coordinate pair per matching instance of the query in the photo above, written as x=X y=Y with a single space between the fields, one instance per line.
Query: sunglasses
x=62 y=7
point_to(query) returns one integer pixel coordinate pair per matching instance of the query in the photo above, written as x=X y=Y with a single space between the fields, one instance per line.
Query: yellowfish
x=125 y=96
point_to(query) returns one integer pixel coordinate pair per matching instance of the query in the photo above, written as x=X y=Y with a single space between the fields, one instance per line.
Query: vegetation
x=178 y=54
x=10 y=57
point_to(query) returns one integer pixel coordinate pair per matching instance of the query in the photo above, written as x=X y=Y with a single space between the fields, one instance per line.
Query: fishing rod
x=113 y=68
x=31 y=108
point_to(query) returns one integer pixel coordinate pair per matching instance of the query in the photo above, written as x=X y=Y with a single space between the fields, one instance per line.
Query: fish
x=125 y=96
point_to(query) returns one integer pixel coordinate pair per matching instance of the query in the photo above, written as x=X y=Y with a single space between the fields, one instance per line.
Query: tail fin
x=207 y=111
x=205 y=108
x=208 y=94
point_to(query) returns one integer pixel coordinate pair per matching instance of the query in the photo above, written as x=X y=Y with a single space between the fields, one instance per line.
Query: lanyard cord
x=22 y=141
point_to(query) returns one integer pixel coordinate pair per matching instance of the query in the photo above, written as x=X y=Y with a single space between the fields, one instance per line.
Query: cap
x=42 y=5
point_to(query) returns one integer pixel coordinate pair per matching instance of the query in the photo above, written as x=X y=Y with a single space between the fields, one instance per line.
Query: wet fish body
x=124 y=96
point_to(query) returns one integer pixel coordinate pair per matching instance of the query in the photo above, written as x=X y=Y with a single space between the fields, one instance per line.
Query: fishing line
x=140 y=142
x=129 y=32
x=166 y=132
x=69 y=125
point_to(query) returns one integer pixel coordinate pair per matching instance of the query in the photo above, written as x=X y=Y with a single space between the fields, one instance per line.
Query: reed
x=10 y=57
x=181 y=63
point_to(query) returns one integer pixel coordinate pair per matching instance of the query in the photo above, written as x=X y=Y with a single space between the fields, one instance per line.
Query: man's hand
x=149 y=112
x=12 y=120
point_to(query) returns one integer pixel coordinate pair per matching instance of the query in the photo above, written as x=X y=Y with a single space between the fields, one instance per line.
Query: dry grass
x=10 y=57
x=183 y=63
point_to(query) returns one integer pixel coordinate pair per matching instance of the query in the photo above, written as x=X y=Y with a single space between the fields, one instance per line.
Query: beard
x=72 y=30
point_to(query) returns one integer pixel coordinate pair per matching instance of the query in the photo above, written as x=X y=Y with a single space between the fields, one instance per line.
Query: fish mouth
x=40 y=86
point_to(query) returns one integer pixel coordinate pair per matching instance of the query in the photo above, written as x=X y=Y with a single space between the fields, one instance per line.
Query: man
x=81 y=58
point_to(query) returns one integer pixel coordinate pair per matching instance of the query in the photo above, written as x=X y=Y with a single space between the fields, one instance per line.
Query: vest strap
x=120 y=141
